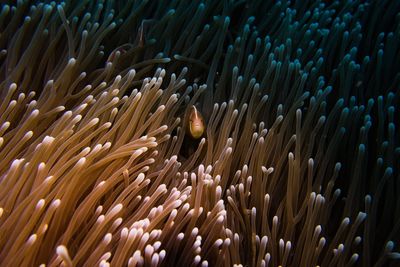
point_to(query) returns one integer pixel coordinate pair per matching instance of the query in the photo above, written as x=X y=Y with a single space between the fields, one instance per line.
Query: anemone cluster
x=298 y=164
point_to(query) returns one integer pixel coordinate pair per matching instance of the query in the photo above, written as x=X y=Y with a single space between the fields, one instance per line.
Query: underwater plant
x=199 y=133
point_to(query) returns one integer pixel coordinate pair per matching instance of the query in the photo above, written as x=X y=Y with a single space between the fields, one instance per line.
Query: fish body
x=121 y=50
x=196 y=123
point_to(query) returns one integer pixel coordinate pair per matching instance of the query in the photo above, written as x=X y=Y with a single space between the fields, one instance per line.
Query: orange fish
x=196 y=123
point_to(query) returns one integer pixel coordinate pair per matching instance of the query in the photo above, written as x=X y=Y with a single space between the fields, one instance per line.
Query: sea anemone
x=199 y=133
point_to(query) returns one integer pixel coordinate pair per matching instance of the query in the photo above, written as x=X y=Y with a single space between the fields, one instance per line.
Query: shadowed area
x=199 y=133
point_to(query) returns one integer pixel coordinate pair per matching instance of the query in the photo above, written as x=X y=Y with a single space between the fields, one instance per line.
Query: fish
x=196 y=123
x=121 y=49
x=144 y=28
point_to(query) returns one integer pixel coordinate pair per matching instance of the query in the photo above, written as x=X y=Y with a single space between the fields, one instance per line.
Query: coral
x=298 y=164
